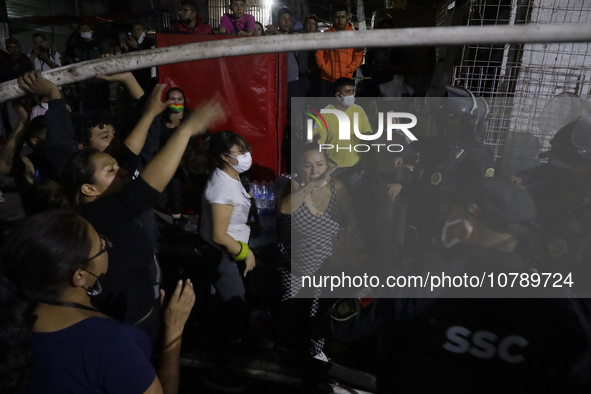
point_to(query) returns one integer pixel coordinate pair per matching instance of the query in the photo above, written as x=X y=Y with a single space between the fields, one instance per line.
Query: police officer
x=561 y=189
x=466 y=344
x=454 y=158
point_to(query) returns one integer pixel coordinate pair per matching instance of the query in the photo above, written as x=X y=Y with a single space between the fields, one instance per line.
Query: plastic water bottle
x=256 y=192
x=271 y=197
x=264 y=196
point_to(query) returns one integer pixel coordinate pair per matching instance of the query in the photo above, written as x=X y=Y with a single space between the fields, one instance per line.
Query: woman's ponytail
x=16 y=323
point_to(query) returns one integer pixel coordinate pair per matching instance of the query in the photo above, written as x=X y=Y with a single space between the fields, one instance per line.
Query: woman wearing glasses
x=104 y=194
x=53 y=340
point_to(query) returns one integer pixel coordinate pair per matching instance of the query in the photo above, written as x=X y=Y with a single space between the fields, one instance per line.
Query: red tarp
x=254 y=87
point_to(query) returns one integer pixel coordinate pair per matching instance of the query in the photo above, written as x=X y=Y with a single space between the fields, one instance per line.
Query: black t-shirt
x=14 y=68
x=129 y=284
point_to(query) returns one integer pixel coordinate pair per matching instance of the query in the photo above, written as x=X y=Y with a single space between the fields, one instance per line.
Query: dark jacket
x=467 y=344
x=13 y=68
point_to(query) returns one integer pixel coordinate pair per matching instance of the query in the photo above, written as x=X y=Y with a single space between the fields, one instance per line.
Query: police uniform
x=473 y=345
x=562 y=239
x=453 y=159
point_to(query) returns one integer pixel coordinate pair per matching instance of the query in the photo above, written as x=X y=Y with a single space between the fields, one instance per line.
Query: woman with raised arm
x=102 y=191
x=53 y=340
x=314 y=208
x=162 y=128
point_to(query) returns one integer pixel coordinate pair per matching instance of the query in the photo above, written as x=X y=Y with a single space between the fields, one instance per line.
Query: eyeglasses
x=185 y=9
x=106 y=245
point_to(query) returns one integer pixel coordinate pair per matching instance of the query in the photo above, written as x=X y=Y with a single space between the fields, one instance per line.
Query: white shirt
x=223 y=189
x=39 y=64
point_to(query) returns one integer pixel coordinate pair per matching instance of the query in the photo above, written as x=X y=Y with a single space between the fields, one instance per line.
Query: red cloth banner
x=255 y=88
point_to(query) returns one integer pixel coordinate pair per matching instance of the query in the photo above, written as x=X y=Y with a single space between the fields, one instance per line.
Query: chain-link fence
x=519 y=80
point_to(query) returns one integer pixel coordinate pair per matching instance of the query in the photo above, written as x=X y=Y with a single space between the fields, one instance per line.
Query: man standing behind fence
x=43 y=58
x=189 y=20
x=337 y=63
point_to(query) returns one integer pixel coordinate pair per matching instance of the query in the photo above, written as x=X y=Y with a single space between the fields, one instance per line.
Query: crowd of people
x=80 y=281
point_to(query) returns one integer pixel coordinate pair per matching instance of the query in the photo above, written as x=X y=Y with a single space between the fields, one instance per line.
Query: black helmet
x=460 y=107
x=571 y=145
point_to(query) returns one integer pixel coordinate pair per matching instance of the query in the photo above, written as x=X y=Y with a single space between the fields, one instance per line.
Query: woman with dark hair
x=259 y=30
x=53 y=340
x=103 y=193
x=225 y=212
x=313 y=207
x=311 y=23
x=161 y=130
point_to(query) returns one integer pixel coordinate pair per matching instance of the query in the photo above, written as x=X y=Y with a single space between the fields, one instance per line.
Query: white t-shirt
x=39 y=64
x=223 y=189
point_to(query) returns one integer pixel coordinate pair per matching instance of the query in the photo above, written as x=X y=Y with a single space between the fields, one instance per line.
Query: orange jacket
x=339 y=63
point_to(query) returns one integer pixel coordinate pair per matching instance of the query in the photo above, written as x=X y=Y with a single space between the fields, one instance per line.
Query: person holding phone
x=137 y=40
x=43 y=58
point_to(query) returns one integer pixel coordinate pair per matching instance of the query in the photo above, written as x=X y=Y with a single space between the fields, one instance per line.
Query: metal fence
x=519 y=80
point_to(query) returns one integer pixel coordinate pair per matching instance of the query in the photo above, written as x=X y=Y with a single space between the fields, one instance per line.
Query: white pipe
x=420 y=36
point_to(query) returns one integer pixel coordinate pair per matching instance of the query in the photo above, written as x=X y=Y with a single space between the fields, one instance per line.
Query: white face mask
x=44 y=105
x=448 y=244
x=86 y=35
x=347 y=101
x=244 y=162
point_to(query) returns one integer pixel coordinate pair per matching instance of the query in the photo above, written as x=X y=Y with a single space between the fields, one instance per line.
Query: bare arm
x=221 y=214
x=136 y=139
x=290 y=201
x=175 y=316
x=11 y=150
x=222 y=30
x=160 y=170
x=128 y=80
x=48 y=61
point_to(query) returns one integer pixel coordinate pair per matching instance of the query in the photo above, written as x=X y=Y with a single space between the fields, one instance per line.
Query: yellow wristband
x=243 y=252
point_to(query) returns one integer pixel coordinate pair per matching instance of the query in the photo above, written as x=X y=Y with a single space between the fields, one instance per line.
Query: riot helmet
x=457 y=112
x=571 y=145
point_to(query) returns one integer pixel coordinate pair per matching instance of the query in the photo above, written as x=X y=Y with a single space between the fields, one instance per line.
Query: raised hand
x=155 y=103
x=207 y=115
x=33 y=82
x=120 y=77
x=270 y=30
x=318 y=182
x=179 y=306
x=131 y=41
x=394 y=189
